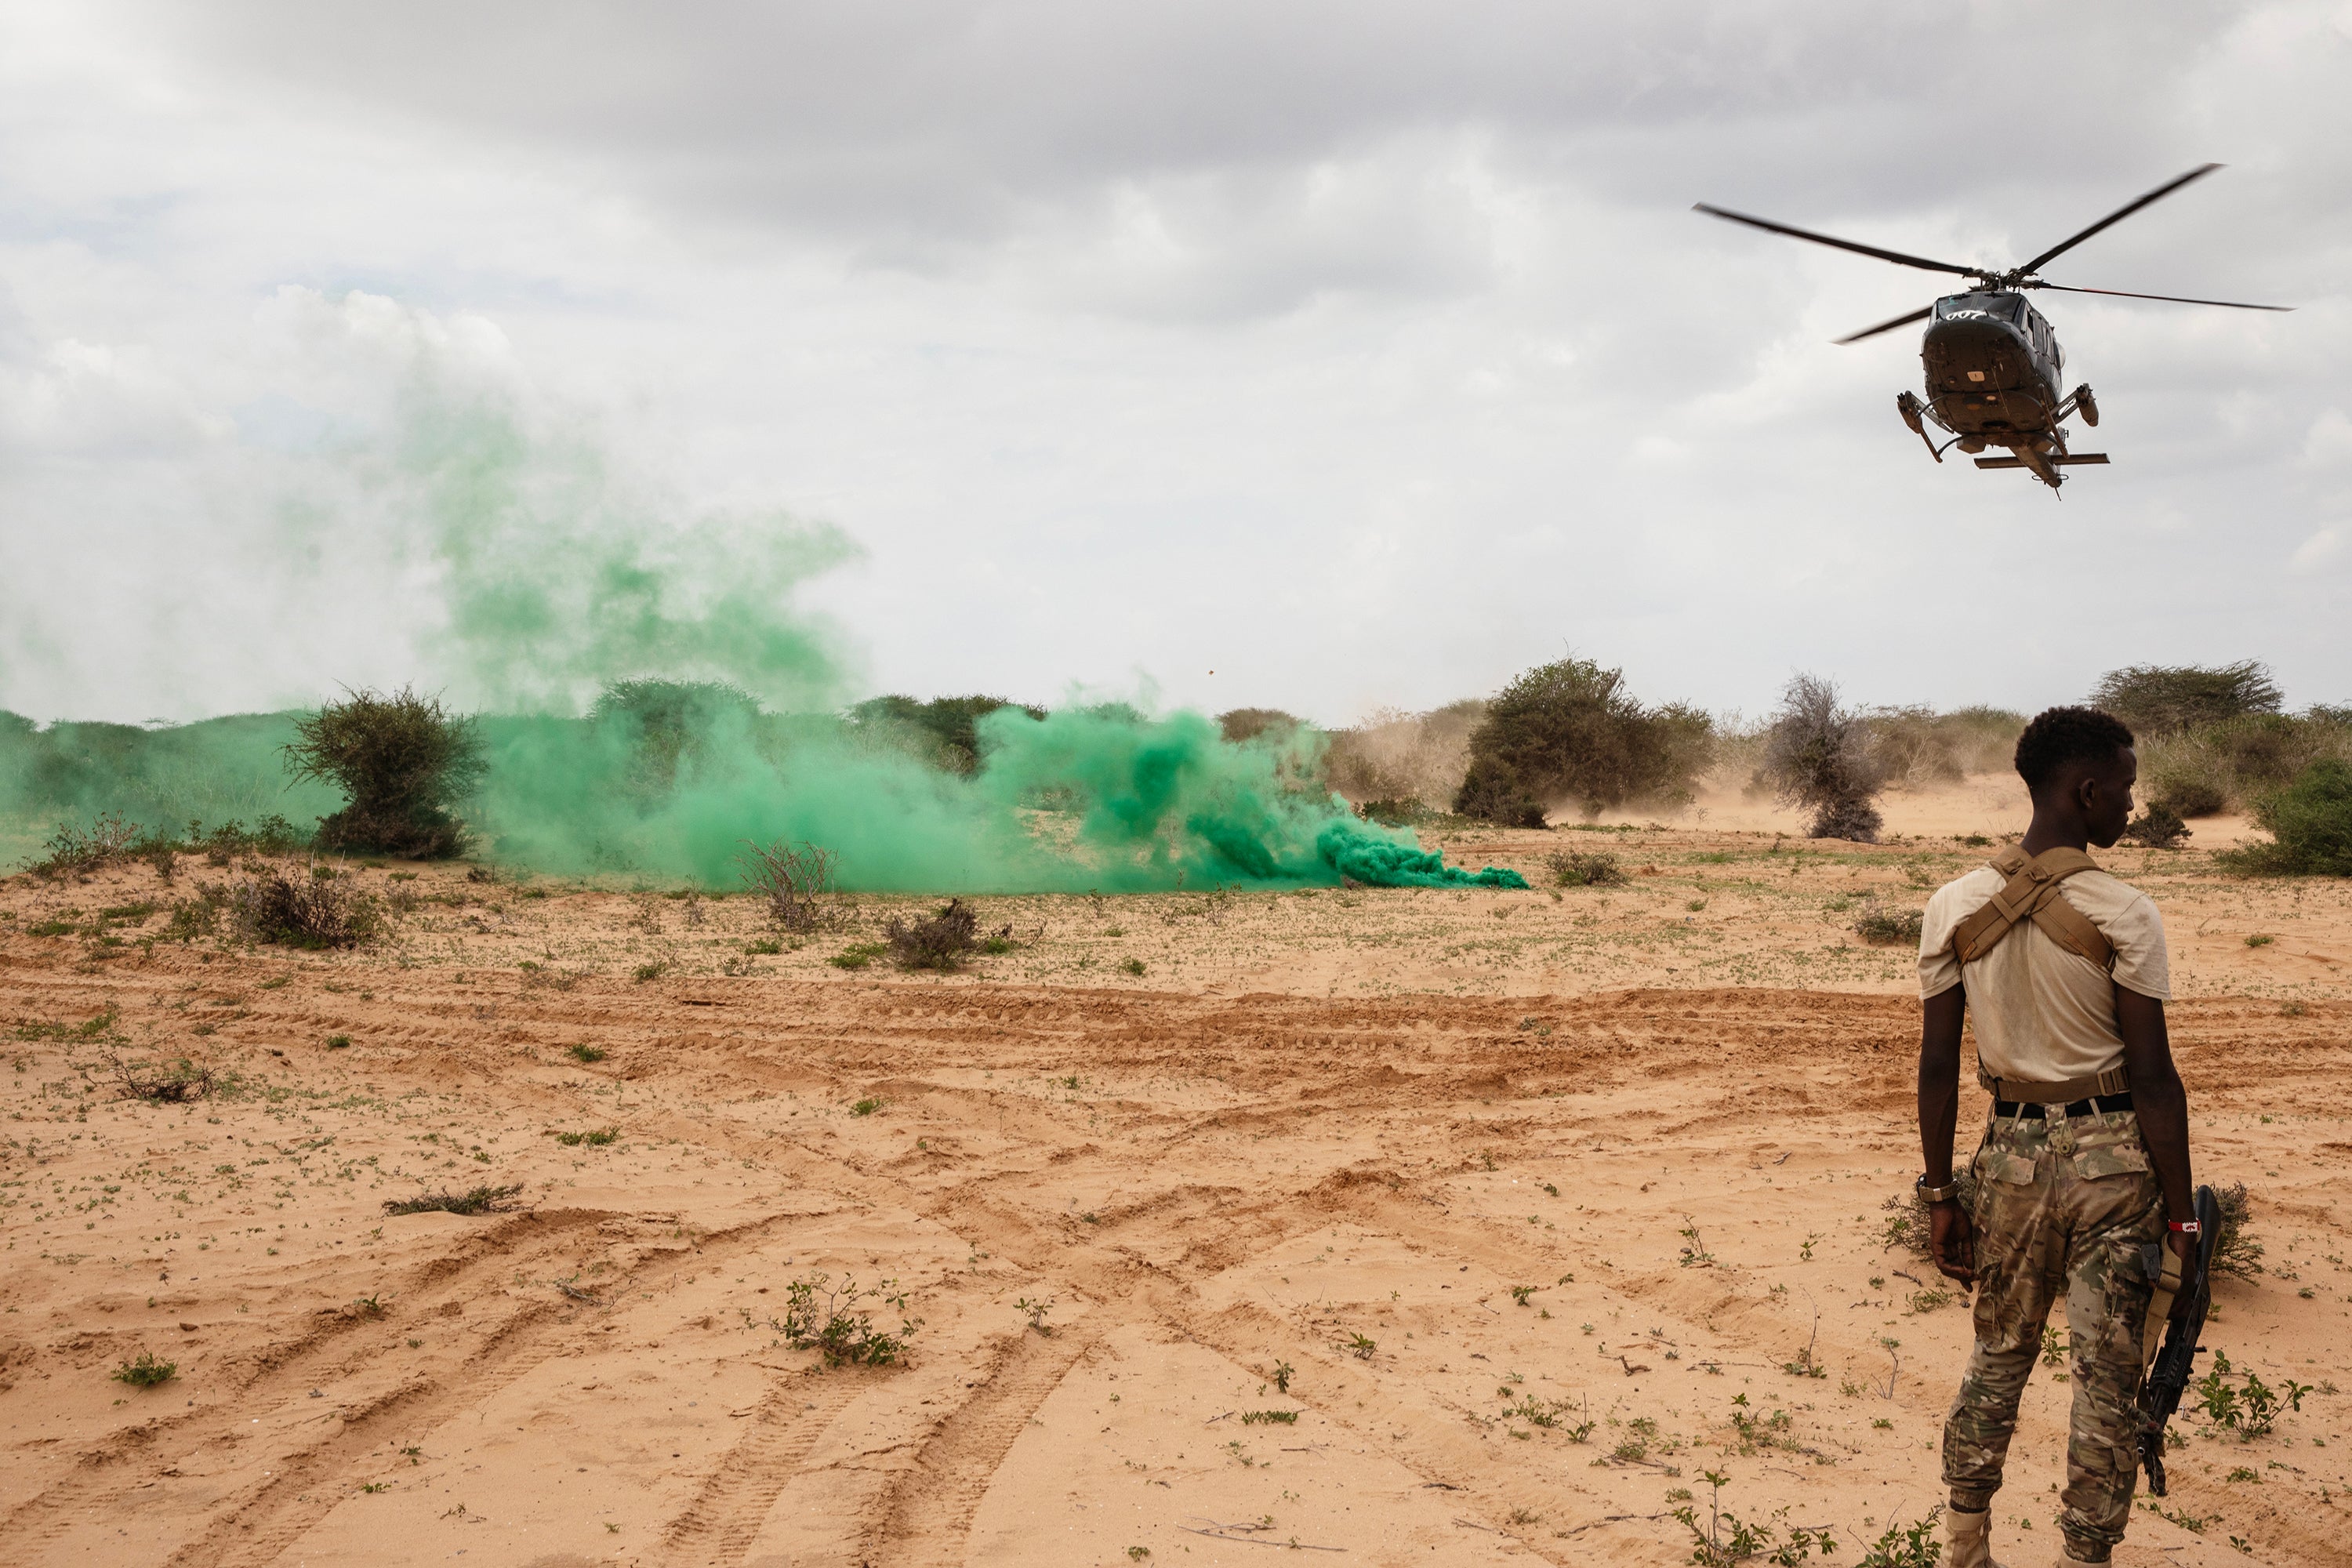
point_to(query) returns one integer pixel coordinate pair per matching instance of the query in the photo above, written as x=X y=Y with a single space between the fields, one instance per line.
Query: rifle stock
x=2167 y=1375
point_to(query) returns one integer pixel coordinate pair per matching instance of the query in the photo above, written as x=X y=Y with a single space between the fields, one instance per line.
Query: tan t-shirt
x=2043 y=1014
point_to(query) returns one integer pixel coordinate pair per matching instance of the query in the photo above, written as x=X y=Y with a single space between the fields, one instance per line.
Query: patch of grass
x=857 y=955
x=339 y=1042
x=651 y=970
x=479 y=1200
x=146 y=1372
x=587 y=1053
x=764 y=947
x=595 y=1139
x=1359 y=1346
x=2260 y=940
x=1263 y=1417
x=868 y=1106
x=1134 y=966
x=1890 y=928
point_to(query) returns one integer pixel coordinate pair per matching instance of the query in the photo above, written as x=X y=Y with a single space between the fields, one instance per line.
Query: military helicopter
x=1993 y=364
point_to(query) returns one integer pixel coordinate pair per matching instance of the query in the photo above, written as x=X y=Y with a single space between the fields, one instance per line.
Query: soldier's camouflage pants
x=2062 y=1207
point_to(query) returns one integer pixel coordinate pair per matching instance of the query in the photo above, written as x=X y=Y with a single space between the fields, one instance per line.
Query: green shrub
x=2157 y=827
x=829 y=1318
x=2310 y=825
x=1243 y=724
x=2172 y=700
x=1817 y=755
x=401 y=761
x=1571 y=731
x=944 y=731
x=146 y=1372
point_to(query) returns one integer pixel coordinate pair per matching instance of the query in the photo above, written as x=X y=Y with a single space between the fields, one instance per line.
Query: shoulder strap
x=2030 y=891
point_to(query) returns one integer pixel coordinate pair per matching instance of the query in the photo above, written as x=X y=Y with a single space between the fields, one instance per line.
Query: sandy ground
x=1317 y=1143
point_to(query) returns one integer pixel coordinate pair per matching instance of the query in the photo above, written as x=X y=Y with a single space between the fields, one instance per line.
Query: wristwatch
x=1942 y=1194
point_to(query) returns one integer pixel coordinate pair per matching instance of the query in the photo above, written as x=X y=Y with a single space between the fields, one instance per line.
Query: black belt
x=2032 y=1111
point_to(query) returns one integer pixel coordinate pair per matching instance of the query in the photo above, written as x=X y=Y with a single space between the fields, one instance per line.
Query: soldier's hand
x=1951 y=1241
x=2185 y=1249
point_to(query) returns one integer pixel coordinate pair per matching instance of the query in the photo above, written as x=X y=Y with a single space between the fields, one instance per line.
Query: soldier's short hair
x=2061 y=735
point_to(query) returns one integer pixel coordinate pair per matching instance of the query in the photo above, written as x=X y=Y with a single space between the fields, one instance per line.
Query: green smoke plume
x=662 y=695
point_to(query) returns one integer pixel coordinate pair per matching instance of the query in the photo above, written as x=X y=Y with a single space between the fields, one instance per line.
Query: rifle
x=2167 y=1374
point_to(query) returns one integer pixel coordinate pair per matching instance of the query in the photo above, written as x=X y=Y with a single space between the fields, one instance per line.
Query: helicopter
x=1994 y=366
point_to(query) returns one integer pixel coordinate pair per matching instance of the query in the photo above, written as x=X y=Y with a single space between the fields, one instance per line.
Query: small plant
x=829 y=1318
x=1694 y=1254
x=1908 y=1223
x=2053 y=1349
x=1138 y=1553
x=74 y=851
x=1889 y=927
x=2260 y=940
x=1361 y=1347
x=596 y=1139
x=762 y=947
x=1726 y=1538
x=1131 y=966
x=587 y=1053
x=2237 y=1253
x=373 y=1306
x=794 y=880
x=857 y=955
x=1520 y=1293
x=651 y=970
x=1035 y=1313
x=1573 y=868
x=1929 y=1300
x=479 y=1200
x=2250 y=1409
x=146 y=1372
x=1544 y=1412
x=1907 y=1546
x=339 y=1042
x=1282 y=1373
x=867 y=1107
x=1263 y=1417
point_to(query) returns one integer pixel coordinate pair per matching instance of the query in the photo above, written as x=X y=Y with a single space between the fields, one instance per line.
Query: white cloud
x=1361 y=352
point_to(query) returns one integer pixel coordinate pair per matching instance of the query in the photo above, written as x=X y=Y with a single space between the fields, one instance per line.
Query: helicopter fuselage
x=1994 y=367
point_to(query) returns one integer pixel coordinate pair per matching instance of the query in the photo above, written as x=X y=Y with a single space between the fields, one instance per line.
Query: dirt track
x=1203 y=1187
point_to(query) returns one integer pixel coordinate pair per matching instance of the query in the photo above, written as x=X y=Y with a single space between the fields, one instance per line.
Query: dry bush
x=1571 y=730
x=1394 y=756
x=1570 y=869
x=1243 y=724
x=794 y=879
x=401 y=761
x=481 y=1200
x=78 y=851
x=1817 y=755
x=2211 y=769
x=1917 y=748
x=303 y=913
x=2159 y=700
x=944 y=940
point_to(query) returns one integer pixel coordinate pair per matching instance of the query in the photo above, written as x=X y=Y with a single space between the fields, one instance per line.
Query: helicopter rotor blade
x=1896 y=257
x=2174 y=299
x=2117 y=215
x=1921 y=314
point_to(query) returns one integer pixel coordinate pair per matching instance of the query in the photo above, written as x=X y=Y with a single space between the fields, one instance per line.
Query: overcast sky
x=1361 y=353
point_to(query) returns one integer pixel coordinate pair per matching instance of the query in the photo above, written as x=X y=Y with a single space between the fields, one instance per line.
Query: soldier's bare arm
x=1949 y=1240
x=2163 y=1107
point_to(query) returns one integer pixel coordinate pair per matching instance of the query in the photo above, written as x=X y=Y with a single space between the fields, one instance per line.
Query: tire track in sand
x=924 y=1515
x=716 y=1529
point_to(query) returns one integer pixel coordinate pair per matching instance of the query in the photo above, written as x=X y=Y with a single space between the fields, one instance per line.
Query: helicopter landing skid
x=2055 y=461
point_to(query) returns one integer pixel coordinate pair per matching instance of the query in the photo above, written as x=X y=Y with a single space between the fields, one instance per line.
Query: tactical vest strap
x=2030 y=891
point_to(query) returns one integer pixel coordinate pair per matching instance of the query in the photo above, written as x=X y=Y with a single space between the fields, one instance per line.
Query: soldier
x=2085 y=1154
